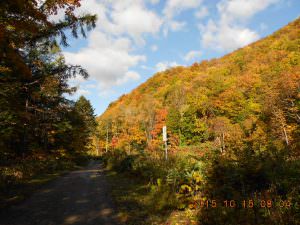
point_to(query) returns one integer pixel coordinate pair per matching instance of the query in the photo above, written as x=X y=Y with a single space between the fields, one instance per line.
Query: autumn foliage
x=234 y=133
x=247 y=99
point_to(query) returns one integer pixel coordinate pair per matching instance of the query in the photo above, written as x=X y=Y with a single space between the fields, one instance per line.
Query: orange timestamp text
x=246 y=203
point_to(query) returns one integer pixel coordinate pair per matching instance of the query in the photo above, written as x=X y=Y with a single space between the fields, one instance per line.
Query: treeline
x=35 y=115
x=233 y=126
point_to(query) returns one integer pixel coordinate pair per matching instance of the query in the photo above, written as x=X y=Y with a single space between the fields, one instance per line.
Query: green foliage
x=84 y=108
x=173 y=120
x=174 y=184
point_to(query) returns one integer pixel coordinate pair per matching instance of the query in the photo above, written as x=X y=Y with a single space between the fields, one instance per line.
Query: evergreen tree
x=34 y=76
x=84 y=108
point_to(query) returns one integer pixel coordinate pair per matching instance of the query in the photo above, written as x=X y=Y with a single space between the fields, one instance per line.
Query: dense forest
x=40 y=128
x=247 y=99
x=233 y=129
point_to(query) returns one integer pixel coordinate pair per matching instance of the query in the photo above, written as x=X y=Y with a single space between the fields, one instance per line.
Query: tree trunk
x=106 y=146
x=223 y=142
x=285 y=136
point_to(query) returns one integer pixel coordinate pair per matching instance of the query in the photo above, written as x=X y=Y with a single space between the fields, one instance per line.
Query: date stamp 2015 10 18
x=246 y=204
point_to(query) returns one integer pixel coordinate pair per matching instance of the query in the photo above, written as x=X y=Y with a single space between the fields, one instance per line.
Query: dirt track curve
x=79 y=198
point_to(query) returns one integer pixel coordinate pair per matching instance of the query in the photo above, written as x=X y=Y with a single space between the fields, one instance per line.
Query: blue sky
x=134 y=39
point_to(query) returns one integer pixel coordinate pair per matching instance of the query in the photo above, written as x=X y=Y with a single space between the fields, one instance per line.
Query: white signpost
x=165 y=139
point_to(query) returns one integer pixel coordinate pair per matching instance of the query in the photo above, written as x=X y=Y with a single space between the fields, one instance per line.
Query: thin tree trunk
x=25 y=130
x=285 y=136
x=220 y=143
x=223 y=142
x=106 y=146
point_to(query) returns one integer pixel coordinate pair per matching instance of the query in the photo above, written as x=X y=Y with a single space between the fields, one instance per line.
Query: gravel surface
x=79 y=198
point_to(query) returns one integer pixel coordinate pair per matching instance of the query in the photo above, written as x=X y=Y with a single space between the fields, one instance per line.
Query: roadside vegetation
x=151 y=190
x=185 y=189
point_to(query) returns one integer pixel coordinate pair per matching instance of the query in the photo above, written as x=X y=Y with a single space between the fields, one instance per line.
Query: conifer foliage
x=34 y=113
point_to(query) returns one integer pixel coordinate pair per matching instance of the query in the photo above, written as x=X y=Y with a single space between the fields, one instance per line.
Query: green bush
x=165 y=178
x=269 y=176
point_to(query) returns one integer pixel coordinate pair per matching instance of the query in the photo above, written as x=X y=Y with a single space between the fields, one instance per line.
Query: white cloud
x=162 y=66
x=154 y=48
x=202 y=13
x=107 y=60
x=192 y=55
x=154 y=1
x=229 y=32
x=136 y=20
x=121 y=27
x=174 y=7
x=227 y=38
x=129 y=75
x=173 y=26
x=123 y=17
x=242 y=9
x=91 y=7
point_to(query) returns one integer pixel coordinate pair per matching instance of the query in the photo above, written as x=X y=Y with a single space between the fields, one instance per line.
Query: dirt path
x=79 y=198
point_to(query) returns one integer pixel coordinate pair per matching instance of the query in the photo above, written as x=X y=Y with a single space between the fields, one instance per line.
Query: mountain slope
x=246 y=99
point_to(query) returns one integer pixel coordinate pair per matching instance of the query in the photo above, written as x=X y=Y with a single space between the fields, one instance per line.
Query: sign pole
x=165 y=139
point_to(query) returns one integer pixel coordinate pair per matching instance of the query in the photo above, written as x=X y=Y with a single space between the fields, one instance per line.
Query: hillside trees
x=173 y=121
x=249 y=98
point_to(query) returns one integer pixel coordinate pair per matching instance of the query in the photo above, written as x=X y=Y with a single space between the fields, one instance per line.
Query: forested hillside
x=233 y=136
x=247 y=99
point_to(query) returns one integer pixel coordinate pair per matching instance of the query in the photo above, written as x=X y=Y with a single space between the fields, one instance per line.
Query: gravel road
x=79 y=198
